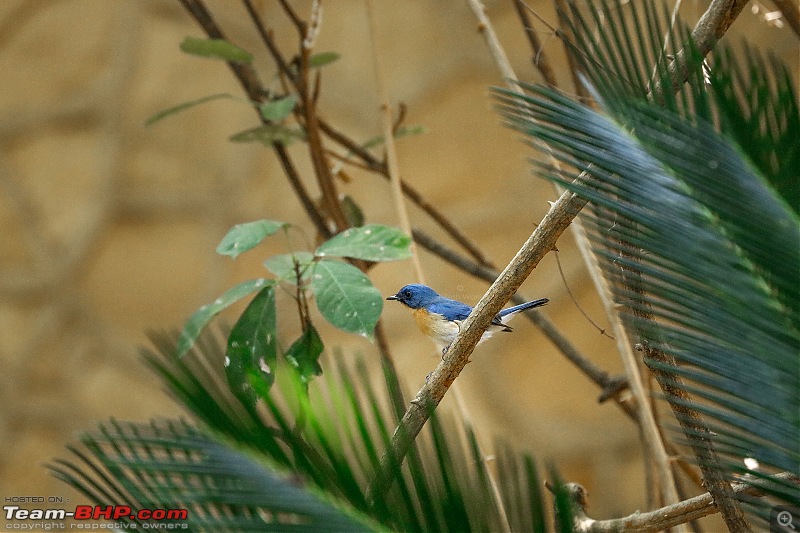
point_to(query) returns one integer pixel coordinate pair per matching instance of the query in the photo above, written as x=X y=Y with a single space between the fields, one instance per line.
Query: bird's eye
x=406 y=294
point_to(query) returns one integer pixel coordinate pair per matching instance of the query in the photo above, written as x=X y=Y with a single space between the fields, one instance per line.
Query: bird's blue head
x=415 y=295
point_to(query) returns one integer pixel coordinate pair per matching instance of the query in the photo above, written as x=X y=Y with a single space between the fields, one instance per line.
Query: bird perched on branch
x=440 y=318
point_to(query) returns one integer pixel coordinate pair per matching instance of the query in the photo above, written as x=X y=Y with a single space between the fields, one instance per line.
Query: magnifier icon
x=785 y=519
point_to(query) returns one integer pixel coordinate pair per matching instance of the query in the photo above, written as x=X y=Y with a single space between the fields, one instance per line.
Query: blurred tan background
x=109 y=228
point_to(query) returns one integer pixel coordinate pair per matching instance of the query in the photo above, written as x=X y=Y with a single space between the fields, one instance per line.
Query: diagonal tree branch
x=713 y=24
x=611 y=385
x=541 y=241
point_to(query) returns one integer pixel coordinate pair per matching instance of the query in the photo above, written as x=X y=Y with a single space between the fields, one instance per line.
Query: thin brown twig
x=575 y=300
x=344 y=159
x=296 y=20
x=267 y=39
x=539 y=58
x=409 y=191
x=302 y=193
x=307 y=111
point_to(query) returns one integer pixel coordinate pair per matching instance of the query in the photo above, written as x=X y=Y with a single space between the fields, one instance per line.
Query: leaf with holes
x=303 y=354
x=346 y=297
x=372 y=242
x=201 y=317
x=252 y=348
x=244 y=237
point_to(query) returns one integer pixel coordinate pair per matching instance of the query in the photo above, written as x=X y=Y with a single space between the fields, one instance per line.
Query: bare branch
x=660 y=519
x=539 y=59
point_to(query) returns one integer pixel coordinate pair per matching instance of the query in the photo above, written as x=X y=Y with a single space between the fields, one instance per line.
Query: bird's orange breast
x=424 y=320
x=437 y=327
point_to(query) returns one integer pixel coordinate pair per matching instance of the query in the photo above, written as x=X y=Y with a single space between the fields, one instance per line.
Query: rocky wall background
x=108 y=228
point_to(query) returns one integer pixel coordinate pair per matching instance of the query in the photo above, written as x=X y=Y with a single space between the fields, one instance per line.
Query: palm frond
x=635 y=51
x=758 y=109
x=172 y=465
x=702 y=254
x=330 y=437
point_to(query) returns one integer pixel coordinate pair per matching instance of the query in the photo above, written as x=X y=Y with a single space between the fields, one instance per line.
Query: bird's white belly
x=442 y=331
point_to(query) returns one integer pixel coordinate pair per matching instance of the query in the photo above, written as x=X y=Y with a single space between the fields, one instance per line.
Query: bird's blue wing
x=455 y=310
x=450 y=309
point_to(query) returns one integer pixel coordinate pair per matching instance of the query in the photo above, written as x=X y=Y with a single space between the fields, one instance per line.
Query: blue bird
x=440 y=318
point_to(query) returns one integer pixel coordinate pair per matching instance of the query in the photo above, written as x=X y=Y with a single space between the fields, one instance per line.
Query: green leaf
x=322 y=58
x=244 y=237
x=203 y=316
x=283 y=266
x=346 y=297
x=268 y=134
x=252 y=348
x=304 y=354
x=279 y=109
x=402 y=131
x=565 y=514
x=184 y=106
x=215 y=48
x=372 y=242
x=352 y=211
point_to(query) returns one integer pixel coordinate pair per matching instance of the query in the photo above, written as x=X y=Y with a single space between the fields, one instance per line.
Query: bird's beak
x=392 y=297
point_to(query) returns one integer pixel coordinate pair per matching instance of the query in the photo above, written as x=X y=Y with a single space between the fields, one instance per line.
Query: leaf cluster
x=344 y=295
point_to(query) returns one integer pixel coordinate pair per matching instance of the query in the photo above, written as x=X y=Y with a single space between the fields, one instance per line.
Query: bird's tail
x=511 y=311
